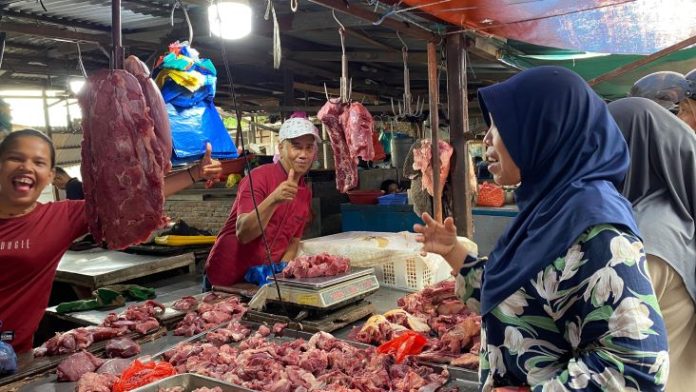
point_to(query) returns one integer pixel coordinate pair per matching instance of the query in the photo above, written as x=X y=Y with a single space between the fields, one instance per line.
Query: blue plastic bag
x=259 y=274
x=193 y=127
x=8 y=359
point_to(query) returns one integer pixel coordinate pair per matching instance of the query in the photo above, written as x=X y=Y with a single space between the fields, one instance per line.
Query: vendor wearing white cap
x=283 y=201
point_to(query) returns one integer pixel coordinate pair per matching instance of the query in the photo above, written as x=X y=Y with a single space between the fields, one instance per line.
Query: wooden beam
x=311 y=110
x=361 y=56
x=434 y=89
x=321 y=20
x=334 y=91
x=457 y=102
x=643 y=61
x=354 y=9
x=365 y=38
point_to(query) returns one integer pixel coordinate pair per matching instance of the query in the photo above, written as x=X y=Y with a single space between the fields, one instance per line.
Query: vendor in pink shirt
x=284 y=208
x=34 y=236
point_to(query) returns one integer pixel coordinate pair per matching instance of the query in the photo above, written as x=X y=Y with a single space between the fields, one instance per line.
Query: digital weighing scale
x=325 y=293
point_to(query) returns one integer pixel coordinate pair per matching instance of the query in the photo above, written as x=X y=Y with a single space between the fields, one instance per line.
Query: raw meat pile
x=123 y=159
x=350 y=131
x=422 y=160
x=315 y=266
x=321 y=364
x=94 y=374
x=76 y=339
x=182 y=389
x=437 y=312
x=209 y=315
x=137 y=318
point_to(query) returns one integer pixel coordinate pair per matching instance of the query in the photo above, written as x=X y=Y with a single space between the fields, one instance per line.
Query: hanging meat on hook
x=158 y=109
x=350 y=131
x=121 y=160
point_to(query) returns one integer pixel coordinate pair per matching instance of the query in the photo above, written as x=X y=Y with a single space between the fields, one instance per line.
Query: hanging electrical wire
x=247 y=164
x=394 y=11
x=80 y=64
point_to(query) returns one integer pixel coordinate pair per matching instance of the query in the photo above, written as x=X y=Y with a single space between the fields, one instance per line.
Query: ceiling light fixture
x=230 y=19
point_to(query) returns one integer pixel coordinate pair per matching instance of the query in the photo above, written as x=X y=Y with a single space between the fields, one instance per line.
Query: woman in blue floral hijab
x=565 y=296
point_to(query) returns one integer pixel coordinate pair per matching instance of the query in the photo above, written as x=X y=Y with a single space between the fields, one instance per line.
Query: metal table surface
x=98 y=267
x=167 y=290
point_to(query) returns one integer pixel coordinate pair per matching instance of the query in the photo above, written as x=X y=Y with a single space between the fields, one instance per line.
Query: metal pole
x=47 y=119
x=116 y=38
x=433 y=88
x=458 y=106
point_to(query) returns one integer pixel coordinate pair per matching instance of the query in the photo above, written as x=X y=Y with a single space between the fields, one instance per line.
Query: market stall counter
x=98 y=267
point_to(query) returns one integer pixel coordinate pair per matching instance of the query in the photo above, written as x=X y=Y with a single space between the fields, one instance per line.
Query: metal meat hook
x=179 y=4
x=405 y=107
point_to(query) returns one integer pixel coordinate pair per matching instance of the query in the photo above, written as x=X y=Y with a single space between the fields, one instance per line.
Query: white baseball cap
x=296 y=127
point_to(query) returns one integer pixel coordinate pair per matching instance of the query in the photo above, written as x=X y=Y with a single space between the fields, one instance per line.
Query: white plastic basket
x=410 y=274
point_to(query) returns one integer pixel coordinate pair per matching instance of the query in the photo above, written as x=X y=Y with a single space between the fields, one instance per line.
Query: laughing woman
x=565 y=296
x=34 y=236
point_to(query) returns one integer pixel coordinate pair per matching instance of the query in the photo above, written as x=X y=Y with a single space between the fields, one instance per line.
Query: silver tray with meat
x=456 y=379
x=189 y=382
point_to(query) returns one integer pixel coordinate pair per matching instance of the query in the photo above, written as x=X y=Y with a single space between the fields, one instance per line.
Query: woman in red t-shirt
x=34 y=236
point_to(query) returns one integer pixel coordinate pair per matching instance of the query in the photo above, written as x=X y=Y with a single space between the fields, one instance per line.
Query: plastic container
x=368 y=196
x=410 y=274
x=394 y=199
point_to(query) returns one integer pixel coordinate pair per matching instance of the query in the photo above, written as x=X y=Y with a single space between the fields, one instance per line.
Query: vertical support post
x=116 y=38
x=434 y=92
x=47 y=120
x=458 y=106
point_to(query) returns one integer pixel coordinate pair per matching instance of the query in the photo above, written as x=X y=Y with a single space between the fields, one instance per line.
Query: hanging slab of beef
x=346 y=168
x=74 y=366
x=121 y=171
x=357 y=125
x=158 y=109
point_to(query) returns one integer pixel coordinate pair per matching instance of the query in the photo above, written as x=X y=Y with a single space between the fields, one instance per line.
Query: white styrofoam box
x=394 y=256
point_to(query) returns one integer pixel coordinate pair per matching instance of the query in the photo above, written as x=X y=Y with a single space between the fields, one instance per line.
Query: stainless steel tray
x=190 y=382
x=324 y=281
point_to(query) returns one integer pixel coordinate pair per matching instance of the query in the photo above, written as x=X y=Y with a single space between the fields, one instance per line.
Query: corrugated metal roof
x=89 y=11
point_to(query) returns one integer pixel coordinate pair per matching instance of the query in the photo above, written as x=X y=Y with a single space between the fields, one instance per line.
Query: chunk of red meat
x=146 y=326
x=121 y=171
x=158 y=109
x=185 y=304
x=279 y=327
x=345 y=166
x=74 y=366
x=122 y=348
x=93 y=382
x=357 y=124
x=467 y=360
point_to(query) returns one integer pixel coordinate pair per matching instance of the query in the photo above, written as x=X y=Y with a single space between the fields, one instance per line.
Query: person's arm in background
x=207 y=169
